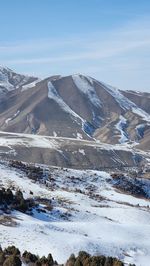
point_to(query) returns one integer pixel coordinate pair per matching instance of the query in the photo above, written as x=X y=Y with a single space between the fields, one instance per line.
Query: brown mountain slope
x=75 y=106
x=142 y=99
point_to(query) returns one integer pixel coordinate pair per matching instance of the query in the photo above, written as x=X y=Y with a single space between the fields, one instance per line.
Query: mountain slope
x=73 y=153
x=87 y=211
x=78 y=151
x=142 y=99
x=75 y=106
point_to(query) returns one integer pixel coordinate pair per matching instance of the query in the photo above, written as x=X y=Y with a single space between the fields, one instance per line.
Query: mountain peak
x=10 y=80
x=5 y=69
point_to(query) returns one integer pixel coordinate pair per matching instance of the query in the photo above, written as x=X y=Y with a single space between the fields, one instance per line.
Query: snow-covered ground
x=28 y=140
x=88 y=214
x=11 y=141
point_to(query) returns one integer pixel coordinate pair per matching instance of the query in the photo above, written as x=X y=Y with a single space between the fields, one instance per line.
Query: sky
x=106 y=39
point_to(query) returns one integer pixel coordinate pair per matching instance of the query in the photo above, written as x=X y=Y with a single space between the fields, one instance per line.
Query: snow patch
x=82 y=151
x=79 y=136
x=125 y=103
x=13 y=117
x=54 y=134
x=145 y=116
x=30 y=85
x=85 y=85
x=28 y=141
x=120 y=98
x=53 y=94
x=121 y=126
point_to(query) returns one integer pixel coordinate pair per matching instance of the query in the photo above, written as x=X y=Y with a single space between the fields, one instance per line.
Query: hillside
x=76 y=106
x=74 y=172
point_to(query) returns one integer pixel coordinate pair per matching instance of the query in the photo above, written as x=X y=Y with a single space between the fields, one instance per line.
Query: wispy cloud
x=98 y=53
x=96 y=46
x=119 y=50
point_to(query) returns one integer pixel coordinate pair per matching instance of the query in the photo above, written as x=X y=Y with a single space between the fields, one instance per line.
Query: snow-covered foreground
x=88 y=214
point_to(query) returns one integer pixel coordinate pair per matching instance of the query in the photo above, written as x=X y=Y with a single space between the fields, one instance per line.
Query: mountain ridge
x=75 y=106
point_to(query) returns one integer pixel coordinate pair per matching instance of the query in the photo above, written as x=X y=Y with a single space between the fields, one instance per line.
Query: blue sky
x=106 y=39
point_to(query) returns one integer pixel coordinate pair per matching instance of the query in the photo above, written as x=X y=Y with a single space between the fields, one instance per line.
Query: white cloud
x=135 y=35
x=119 y=50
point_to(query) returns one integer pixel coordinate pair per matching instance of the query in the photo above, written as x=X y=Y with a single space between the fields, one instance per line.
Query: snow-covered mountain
x=9 y=80
x=74 y=106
